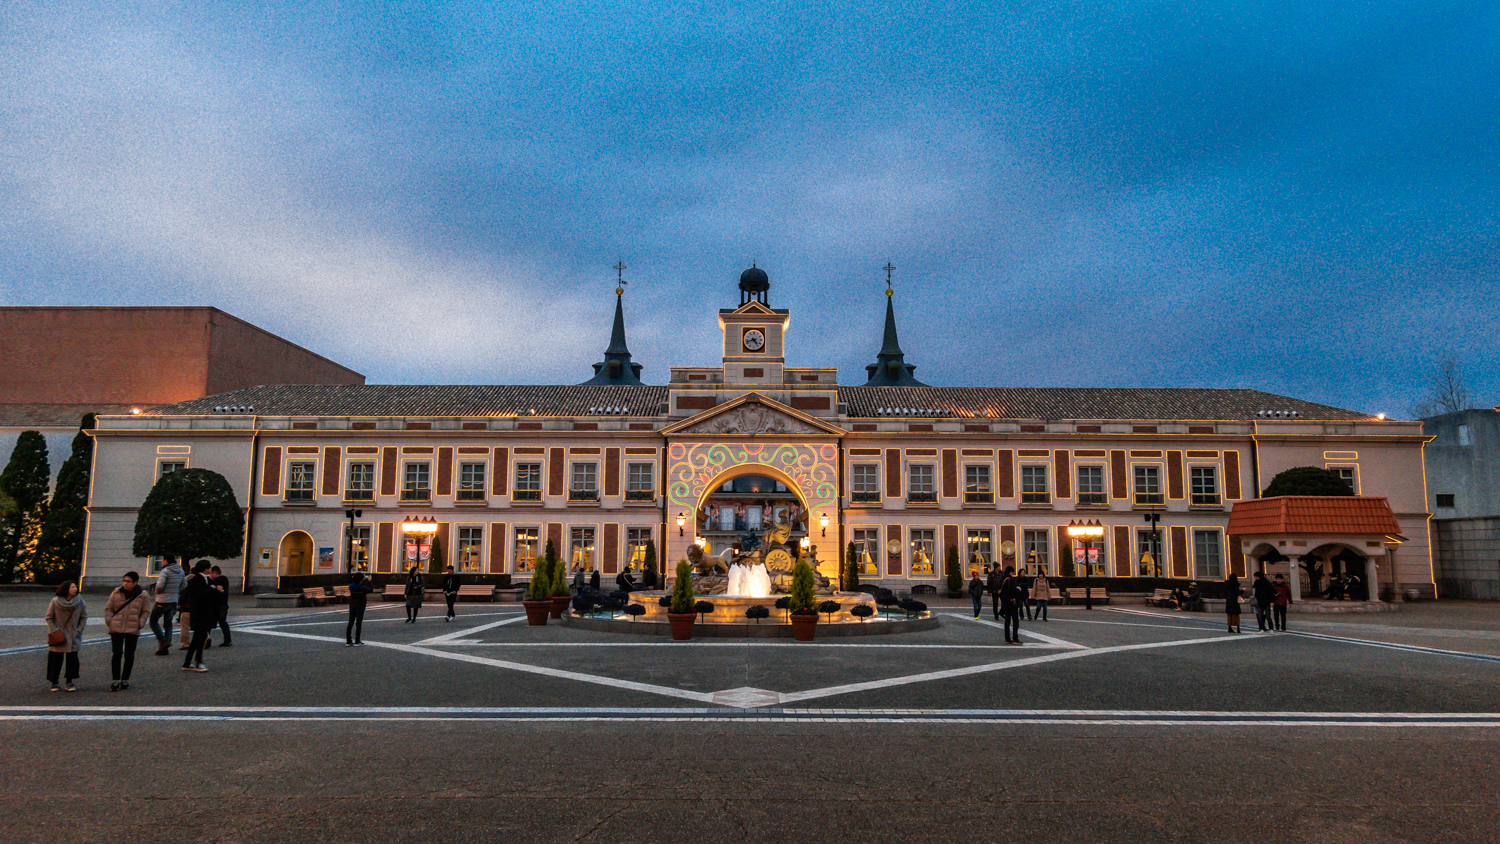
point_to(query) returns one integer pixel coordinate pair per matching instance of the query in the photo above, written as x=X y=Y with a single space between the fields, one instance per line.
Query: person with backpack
x=450 y=591
x=125 y=613
x=66 y=615
x=359 y=592
x=168 y=585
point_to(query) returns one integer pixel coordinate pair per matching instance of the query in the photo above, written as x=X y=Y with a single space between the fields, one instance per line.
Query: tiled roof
x=54 y=415
x=428 y=400
x=1085 y=403
x=1314 y=514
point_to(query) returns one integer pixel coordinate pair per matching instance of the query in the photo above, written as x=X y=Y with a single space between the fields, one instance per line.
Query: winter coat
x=594 y=580
x=359 y=592
x=994 y=584
x=1283 y=594
x=1041 y=589
x=1264 y=592
x=416 y=586
x=69 y=616
x=169 y=584
x=223 y=593
x=1232 y=596
x=450 y=584
x=976 y=587
x=127 y=614
x=201 y=602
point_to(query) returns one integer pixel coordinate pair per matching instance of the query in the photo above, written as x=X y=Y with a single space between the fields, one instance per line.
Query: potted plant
x=559 y=583
x=955 y=578
x=803 y=602
x=681 y=614
x=538 y=602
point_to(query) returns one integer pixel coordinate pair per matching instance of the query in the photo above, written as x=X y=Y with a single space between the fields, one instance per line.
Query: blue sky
x=1300 y=198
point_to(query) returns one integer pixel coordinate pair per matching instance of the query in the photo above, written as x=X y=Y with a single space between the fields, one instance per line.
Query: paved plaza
x=1121 y=723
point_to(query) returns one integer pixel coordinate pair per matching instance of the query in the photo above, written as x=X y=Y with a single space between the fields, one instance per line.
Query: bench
x=1161 y=598
x=1077 y=595
x=341 y=594
x=479 y=592
x=315 y=596
x=394 y=592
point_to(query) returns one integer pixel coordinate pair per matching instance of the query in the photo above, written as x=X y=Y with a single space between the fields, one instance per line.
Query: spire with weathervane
x=617 y=368
x=890 y=368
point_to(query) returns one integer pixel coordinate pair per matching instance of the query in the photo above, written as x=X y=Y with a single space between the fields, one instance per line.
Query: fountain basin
x=728 y=619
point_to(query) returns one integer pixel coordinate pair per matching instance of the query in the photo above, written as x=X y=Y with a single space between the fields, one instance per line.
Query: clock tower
x=754 y=351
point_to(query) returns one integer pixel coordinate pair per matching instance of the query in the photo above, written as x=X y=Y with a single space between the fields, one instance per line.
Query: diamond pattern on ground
x=746 y=698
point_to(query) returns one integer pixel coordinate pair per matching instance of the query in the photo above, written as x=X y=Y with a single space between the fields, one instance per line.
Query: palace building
x=902 y=470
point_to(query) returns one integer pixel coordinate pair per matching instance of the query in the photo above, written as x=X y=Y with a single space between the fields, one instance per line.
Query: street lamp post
x=420 y=527
x=349 y=539
x=1086 y=532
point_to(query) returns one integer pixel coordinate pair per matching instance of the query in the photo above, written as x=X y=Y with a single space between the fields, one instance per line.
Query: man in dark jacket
x=994 y=589
x=976 y=593
x=594 y=580
x=450 y=590
x=221 y=583
x=1010 y=606
x=201 y=600
x=359 y=592
x=1265 y=595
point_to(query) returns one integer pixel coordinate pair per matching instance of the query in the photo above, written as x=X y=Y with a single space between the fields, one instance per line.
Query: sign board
x=1093 y=555
x=265 y=558
x=1078 y=554
x=325 y=558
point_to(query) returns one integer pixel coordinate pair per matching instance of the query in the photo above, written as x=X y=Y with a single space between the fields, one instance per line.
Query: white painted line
x=458 y=634
x=1391 y=646
x=748 y=644
x=1061 y=643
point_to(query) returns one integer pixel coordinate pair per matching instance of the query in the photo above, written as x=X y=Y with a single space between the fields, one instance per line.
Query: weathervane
x=888 y=270
x=620 y=281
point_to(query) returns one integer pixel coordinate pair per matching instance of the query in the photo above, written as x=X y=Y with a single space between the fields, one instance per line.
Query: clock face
x=755 y=340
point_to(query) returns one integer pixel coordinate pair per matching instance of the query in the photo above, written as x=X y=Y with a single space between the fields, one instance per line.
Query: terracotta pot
x=682 y=625
x=536 y=612
x=559 y=604
x=803 y=626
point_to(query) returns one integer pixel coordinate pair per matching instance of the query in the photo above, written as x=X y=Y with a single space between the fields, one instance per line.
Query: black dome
x=754 y=279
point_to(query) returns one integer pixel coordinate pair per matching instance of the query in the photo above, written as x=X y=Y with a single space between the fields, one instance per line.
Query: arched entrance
x=295 y=554
x=748 y=499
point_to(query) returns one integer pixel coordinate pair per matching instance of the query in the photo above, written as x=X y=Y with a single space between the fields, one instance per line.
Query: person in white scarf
x=66 y=616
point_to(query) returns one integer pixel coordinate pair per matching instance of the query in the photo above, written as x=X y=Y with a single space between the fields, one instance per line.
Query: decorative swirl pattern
x=693 y=469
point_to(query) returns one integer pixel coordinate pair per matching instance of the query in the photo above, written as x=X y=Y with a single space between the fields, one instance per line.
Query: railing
x=298 y=496
x=411 y=494
x=921 y=497
x=1149 y=499
x=864 y=496
x=979 y=498
x=583 y=495
x=475 y=494
x=1092 y=498
x=359 y=495
x=1205 y=499
x=1036 y=498
x=640 y=495
x=526 y=495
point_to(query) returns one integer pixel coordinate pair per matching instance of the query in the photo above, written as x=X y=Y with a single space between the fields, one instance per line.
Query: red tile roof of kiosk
x=1313 y=514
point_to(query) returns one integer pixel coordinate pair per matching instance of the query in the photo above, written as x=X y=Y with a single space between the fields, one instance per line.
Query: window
x=1205 y=485
x=585 y=486
x=471 y=482
x=1148 y=485
x=923 y=552
x=417 y=486
x=1091 y=485
x=866 y=482
x=1094 y=551
x=1445 y=499
x=299 y=480
x=867 y=550
x=359 y=547
x=471 y=549
x=167 y=467
x=919 y=486
x=640 y=482
x=1349 y=475
x=1034 y=485
x=528 y=482
x=977 y=485
x=1208 y=561
x=635 y=541
x=416 y=551
x=1036 y=553
x=1148 y=554
x=361 y=484
x=979 y=550
x=582 y=547
x=526 y=549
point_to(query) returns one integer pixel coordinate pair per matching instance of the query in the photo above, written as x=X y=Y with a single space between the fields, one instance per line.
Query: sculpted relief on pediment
x=753 y=419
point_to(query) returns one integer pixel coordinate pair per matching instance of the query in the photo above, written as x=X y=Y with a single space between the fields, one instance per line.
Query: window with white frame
x=416 y=482
x=636 y=539
x=1208 y=555
x=1148 y=553
x=300 y=477
x=1036 y=551
x=977 y=489
x=471 y=549
x=1148 y=485
x=1349 y=475
x=867 y=550
x=980 y=550
x=528 y=482
x=919 y=484
x=923 y=552
x=640 y=482
x=359 y=547
x=585 y=486
x=527 y=542
x=581 y=547
x=1205 y=485
x=1034 y=485
x=866 y=486
x=360 y=483
x=167 y=467
x=1091 y=485
x=471 y=481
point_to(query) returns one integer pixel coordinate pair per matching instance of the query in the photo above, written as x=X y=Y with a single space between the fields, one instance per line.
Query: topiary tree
x=955 y=577
x=682 y=589
x=648 y=577
x=25 y=481
x=190 y=513
x=1306 y=480
x=60 y=546
x=559 y=578
x=540 y=587
x=851 y=569
x=803 y=597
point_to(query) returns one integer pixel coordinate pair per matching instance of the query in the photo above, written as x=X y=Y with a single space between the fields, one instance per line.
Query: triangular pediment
x=752 y=415
x=755 y=308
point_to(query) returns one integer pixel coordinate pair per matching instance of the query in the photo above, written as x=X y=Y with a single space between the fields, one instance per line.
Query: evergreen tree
x=851 y=569
x=1307 y=480
x=803 y=596
x=189 y=514
x=955 y=578
x=435 y=554
x=682 y=589
x=60 y=546
x=649 y=576
x=25 y=481
x=559 y=578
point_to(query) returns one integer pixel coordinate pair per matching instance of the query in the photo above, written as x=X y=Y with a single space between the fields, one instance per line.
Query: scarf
x=70 y=603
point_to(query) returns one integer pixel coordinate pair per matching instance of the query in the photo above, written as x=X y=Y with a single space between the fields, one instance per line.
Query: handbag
x=55 y=638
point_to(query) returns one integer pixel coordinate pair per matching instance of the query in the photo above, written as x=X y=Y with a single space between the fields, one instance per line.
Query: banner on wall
x=325 y=558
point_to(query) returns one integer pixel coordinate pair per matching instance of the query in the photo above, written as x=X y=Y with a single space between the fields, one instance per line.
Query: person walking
x=1041 y=594
x=1278 y=606
x=168 y=584
x=1024 y=605
x=1010 y=606
x=201 y=601
x=1265 y=595
x=450 y=591
x=359 y=592
x=415 y=588
x=976 y=593
x=125 y=613
x=578 y=581
x=1232 y=602
x=994 y=589
x=220 y=584
x=66 y=615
